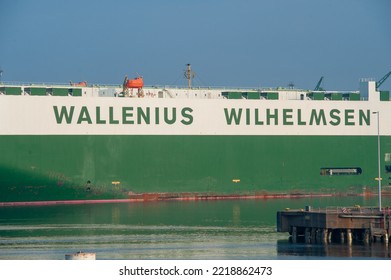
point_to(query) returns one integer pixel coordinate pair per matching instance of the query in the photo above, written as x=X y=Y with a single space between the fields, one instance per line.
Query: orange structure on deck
x=135 y=83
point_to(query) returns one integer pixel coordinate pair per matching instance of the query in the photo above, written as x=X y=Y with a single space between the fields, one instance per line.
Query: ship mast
x=189 y=74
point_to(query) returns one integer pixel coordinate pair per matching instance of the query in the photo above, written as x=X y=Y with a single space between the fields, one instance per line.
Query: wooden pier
x=336 y=224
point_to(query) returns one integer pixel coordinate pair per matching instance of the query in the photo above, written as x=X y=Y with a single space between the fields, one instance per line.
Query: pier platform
x=335 y=224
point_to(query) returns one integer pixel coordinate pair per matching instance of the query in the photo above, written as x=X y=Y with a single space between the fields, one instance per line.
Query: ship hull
x=76 y=167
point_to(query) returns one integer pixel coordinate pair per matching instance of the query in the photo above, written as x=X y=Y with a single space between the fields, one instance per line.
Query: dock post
x=385 y=238
x=313 y=235
x=366 y=236
x=294 y=234
x=307 y=235
x=324 y=233
x=349 y=236
x=342 y=236
x=318 y=236
x=329 y=235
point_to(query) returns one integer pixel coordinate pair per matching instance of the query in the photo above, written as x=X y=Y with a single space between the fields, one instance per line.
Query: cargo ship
x=94 y=143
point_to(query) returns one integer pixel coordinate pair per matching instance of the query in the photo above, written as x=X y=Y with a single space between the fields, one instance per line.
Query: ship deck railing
x=59 y=84
x=157 y=86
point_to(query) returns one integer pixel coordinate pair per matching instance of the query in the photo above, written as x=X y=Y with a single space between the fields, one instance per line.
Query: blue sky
x=248 y=43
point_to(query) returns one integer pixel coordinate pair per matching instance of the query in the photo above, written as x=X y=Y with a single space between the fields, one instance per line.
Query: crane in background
x=382 y=80
x=318 y=87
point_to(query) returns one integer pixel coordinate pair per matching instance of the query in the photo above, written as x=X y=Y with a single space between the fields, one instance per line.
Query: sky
x=236 y=43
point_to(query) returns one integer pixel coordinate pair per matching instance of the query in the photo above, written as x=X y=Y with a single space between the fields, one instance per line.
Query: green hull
x=47 y=168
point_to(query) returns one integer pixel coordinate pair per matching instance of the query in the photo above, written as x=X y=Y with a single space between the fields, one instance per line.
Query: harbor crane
x=318 y=87
x=382 y=80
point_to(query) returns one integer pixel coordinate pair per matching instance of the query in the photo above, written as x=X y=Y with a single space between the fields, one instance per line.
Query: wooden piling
x=294 y=234
x=307 y=235
x=349 y=238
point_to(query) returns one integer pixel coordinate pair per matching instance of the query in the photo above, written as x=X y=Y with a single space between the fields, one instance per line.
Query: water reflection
x=338 y=251
x=237 y=229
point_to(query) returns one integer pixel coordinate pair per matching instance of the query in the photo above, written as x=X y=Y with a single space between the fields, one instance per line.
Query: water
x=232 y=229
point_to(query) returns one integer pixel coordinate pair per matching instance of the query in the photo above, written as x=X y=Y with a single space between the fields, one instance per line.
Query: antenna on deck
x=1 y=74
x=189 y=74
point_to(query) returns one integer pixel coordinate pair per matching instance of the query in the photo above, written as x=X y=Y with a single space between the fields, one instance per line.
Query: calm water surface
x=234 y=229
